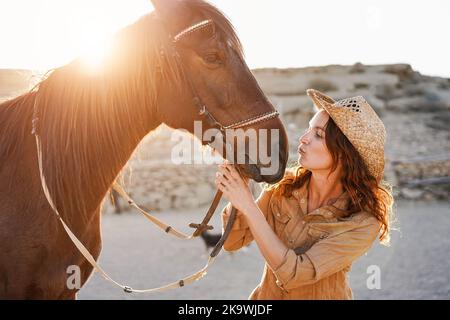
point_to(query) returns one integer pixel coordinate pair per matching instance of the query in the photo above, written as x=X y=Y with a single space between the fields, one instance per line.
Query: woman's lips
x=301 y=151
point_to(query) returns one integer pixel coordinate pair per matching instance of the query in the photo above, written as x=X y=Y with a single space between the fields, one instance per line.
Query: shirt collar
x=301 y=194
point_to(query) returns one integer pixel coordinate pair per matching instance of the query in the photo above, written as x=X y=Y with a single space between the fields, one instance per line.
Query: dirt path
x=416 y=266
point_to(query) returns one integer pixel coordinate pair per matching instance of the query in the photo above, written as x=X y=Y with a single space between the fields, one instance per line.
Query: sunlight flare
x=95 y=51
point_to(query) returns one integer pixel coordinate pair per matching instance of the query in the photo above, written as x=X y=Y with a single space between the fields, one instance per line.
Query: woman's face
x=313 y=152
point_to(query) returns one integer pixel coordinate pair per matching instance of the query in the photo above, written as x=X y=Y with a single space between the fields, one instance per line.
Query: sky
x=42 y=34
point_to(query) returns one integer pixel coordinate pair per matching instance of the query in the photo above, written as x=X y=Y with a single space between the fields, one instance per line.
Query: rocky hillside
x=415 y=109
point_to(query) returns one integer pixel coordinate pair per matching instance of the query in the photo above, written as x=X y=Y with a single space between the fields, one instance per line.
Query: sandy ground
x=415 y=266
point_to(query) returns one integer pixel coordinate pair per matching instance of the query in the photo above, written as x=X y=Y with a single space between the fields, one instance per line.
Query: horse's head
x=210 y=57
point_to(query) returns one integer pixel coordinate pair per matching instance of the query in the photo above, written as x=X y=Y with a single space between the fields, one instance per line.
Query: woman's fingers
x=223 y=170
x=235 y=173
x=222 y=186
x=230 y=172
x=221 y=180
x=219 y=177
x=225 y=173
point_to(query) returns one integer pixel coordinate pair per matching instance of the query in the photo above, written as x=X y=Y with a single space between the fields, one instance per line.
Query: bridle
x=201 y=227
x=196 y=99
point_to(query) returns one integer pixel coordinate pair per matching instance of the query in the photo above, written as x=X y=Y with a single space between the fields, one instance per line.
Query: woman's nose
x=304 y=138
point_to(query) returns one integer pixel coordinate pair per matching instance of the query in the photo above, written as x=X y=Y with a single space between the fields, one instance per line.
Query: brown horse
x=89 y=125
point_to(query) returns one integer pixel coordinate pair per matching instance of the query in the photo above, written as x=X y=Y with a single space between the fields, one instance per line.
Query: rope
x=167 y=228
x=85 y=252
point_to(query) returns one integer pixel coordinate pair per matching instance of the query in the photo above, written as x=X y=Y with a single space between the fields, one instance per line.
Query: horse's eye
x=212 y=58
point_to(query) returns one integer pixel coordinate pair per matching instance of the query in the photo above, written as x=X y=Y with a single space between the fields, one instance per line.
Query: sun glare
x=52 y=33
x=94 y=53
x=45 y=34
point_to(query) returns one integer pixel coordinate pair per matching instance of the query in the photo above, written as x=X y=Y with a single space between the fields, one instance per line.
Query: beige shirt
x=322 y=246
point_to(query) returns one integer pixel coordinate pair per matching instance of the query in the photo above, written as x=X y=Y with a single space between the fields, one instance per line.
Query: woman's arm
x=240 y=235
x=237 y=192
x=270 y=245
x=294 y=270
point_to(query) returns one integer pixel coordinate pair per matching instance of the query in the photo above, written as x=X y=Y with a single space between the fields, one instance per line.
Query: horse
x=90 y=123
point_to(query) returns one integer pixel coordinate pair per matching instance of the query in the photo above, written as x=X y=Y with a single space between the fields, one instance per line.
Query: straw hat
x=360 y=124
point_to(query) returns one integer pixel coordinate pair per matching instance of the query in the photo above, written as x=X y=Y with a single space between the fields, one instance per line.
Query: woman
x=316 y=221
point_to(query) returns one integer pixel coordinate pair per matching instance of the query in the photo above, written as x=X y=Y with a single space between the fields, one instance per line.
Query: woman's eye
x=212 y=58
x=318 y=135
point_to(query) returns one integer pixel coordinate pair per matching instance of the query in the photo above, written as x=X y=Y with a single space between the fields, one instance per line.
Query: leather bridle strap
x=200 y=228
x=167 y=228
x=225 y=234
x=196 y=99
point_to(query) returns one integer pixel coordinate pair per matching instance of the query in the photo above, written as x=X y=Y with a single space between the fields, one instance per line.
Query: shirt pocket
x=316 y=233
x=280 y=220
x=280 y=217
x=312 y=236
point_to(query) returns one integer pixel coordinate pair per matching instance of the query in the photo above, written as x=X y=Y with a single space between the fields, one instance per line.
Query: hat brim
x=321 y=100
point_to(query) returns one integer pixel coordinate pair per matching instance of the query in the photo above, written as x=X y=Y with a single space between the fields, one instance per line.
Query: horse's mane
x=82 y=116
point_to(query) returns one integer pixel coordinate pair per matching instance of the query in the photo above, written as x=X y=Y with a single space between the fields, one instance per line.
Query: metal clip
x=202 y=110
x=127 y=289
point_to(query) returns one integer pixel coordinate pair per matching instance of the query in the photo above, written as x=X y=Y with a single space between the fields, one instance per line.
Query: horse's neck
x=82 y=176
x=115 y=159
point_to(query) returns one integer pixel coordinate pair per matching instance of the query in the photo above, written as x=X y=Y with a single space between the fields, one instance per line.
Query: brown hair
x=365 y=191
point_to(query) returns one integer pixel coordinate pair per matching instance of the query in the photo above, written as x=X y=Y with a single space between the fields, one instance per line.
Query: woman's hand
x=235 y=188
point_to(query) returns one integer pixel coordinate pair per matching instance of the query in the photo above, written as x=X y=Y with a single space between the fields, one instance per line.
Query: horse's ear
x=175 y=13
x=165 y=7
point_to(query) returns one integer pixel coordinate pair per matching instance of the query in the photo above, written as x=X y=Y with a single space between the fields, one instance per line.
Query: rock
x=404 y=72
x=191 y=179
x=411 y=194
x=191 y=202
x=179 y=190
x=358 y=68
x=204 y=193
x=292 y=104
x=406 y=104
x=389 y=174
x=428 y=196
x=179 y=202
x=377 y=104
x=153 y=196
x=164 y=203
x=322 y=84
x=387 y=92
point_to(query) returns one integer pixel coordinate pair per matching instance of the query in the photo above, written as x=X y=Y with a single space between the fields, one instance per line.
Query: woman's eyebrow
x=316 y=127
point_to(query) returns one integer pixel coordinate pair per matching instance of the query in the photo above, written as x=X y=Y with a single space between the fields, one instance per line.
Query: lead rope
x=82 y=249
x=167 y=228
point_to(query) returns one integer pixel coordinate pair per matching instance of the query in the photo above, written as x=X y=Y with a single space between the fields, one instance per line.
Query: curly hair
x=365 y=191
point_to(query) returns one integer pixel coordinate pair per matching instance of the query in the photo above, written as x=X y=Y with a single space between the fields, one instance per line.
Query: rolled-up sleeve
x=327 y=256
x=240 y=235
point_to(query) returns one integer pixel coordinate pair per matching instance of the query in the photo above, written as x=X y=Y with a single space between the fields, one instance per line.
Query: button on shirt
x=322 y=245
